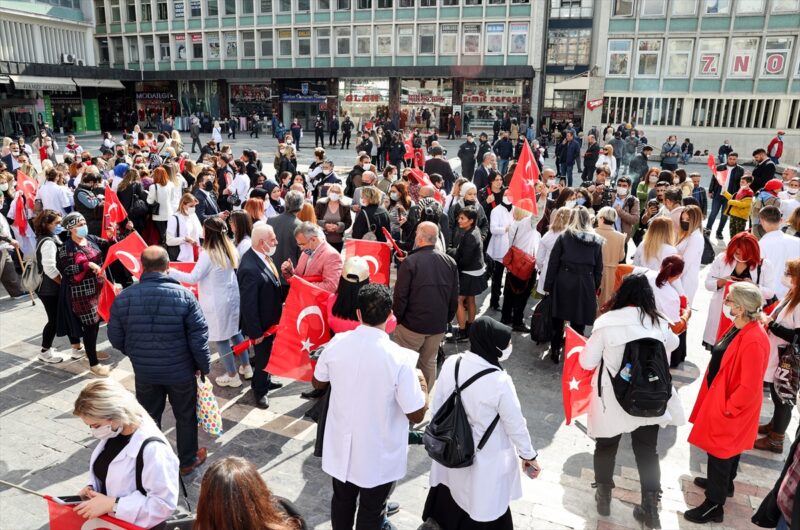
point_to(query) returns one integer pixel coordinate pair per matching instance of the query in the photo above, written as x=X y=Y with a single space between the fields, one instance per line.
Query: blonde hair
x=747 y=296
x=218 y=245
x=186 y=199
x=288 y=150
x=610 y=148
x=335 y=188
x=695 y=221
x=660 y=232
x=106 y=399
x=519 y=214
x=580 y=220
x=607 y=214
x=371 y=194
x=176 y=136
x=559 y=219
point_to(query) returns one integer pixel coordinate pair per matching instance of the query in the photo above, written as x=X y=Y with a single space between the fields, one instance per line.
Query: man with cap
x=466 y=153
x=775 y=147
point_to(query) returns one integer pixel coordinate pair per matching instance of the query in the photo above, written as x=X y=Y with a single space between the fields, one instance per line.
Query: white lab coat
x=485 y=489
x=499 y=222
x=54 y=197
x=788 y=205
x=543 y=257
x=654 y=262
x=668 y=299
x=524 y=236
x=165 y=197
x=605 y=160
x=610 y=333
x=179 y=227
x=244 y=245
x=159 y=478
x=240 y=186
x=787 y=319
x=720 y=269
x=216 y=135
x=779 y=248
x=691 y=249
x=218 y=293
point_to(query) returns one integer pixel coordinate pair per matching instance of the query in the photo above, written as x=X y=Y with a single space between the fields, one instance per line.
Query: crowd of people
x=621 y=254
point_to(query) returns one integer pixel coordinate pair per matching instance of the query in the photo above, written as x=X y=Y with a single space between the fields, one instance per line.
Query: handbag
x=233 y=200
x=208 y=414
x=518 y=262
x=787 y=373
x=370 y=235
x=138 y=208
x=155 y=207
x=708 y=251
x=174 y=250
x=542 y=321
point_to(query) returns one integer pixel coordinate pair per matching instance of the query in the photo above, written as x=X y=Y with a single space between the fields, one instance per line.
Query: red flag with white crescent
x=377 y=254
x=129 y=253
x=721 y=176
x=113 y=211
x=187 y=267
x=526 y=175
x=302 y=329
x=63 y=517
x=106 y=300
x=576 y=382
x=21 y=216
x=29 y=188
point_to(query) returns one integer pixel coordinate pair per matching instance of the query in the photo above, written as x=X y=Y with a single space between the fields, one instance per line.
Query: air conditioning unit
x=68 y=58
x=80 y=62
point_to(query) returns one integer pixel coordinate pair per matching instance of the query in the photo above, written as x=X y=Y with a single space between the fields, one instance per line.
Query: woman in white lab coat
x=122 y=425
x=558 y=220
x=500 y=221
x=741 y=261
x=658 y=243
x=218 y=293
x=690 y=246
x=184 y=230
x=481 y=493
x=216 y=134
x=670 y=302
x=606 y=158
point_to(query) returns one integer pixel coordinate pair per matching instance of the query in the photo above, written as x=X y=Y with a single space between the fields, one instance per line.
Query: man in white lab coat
x=776 y=246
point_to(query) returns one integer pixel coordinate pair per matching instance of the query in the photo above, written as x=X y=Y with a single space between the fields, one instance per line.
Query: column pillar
x=394 y=100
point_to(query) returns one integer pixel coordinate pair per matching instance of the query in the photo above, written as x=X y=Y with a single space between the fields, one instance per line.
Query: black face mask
x=684 y=225
x=468 y=202
x=208 y=186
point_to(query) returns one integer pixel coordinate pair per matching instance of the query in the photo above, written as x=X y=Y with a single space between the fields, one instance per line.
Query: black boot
x=706 y=512
x=603 y=498
x=647 y=512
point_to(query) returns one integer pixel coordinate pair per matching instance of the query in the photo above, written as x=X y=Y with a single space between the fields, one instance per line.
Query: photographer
x=601 y=189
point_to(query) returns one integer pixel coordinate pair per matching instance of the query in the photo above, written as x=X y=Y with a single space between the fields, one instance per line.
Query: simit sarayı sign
x=594 y=103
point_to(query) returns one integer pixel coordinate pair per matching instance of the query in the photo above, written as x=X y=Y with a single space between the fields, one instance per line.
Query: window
x=717 y=7
x=133 y=50
x=449 y=2
x=619 y=57
x=709 y=57
x=266 y=42
x=384 y=36
x=364 y=4
x=102 y=45
x=343 y=5
x=115 y=11
x=684 y=8
x=567 y=47
x=231 y=43
x=426 y=45
x=230 y=7
x=197 y=46
x=742 y=62
x=304 y=5
x=472 y=39
x=212 y=8
x=776 y=56
x=385 y=4
x=645 y=111
x=749 y=7
x=130 y=14
x=285 y=6
x=570 y=8
x=323 y=41
x=623 y=8
x=780 y=6
x=364 y=41
x=285 y=42
x=212 y=39
x=265 y=7
x=648 y=57
x=448 y=44
x=407 y=3
x=735 y=112
x=518 y=38
x=247 y=7
x=248 y=44
x=495 y=34
x=427 y=3
x=497 y=1
x=324 y=5
x=162 y=10
x=562 y=99
x=405 y=40
x=149 y=49
x=100 y=15
x=118 y=54
x=679 y=57
x=164 y=48
x=303 y=42
x=147 y=14
x=178 y=11
x=342 y=41
x=194 y=8
x=653 y=8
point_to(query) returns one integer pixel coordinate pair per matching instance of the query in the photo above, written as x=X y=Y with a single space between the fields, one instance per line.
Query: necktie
x=272 y=268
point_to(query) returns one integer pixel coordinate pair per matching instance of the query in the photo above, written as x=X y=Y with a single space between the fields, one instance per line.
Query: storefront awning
x=29 y=82
x=99 y=83
x=5 y=80
x=574 y=83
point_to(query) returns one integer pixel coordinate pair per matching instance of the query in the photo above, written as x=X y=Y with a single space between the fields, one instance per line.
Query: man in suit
x=485 y=174
x=260 y=298
x=318 y=259
x=284 y=226
x=207 y=205
x=590 y=157
x=718 y=201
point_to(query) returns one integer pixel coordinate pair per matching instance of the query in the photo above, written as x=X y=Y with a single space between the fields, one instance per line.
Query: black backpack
x=542 y=321
x=448 y=437
x=643 y=384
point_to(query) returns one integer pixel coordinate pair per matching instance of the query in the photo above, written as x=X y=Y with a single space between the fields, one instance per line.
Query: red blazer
x=326 y=262
x=737 y=390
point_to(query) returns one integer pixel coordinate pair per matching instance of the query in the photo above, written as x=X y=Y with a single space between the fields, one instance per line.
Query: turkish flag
x=721 y=176
x=29 y=188
x=187 y=267
x=302 y=329
x=129 y=252
x=63 y=517
x=106 y=300
x=113 y=211
x=409 y=154
x=377 y=254
x=421 y=177
x=21 y=216
x=576 y=382
x=526 y=175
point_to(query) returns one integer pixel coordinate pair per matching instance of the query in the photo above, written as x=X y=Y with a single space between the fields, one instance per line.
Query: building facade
x=707 y=70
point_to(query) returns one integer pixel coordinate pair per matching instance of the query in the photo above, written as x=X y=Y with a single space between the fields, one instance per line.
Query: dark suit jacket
x=481 y=177
x=284 y=225
x=206 y=206
x=259 y=295
x=442 y=167
x=762 y=173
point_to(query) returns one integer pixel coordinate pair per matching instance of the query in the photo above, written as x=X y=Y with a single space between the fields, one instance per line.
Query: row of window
x=74 y=4
x=658 y=8
x=571 y=8
x=709 y=58
x=567 y=47
x=494 y=38
x=145 y=10
x=19 y=42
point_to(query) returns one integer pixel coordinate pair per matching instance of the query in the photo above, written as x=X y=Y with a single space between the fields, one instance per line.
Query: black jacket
x=504 y=149
x=573 y=276
x=481 y=178
x=347 y=126
x=259 y=295
x=466 y=153
x=334 y=125
x=426 y=291
x=378 y=220
x=284 y=226
x=442 y=167
x=483 y=148
x=763 y=172
x=365 y=145
x=397 y=151
x=590 y=156
x=734 y=176
x=768 y=513
x=469 y=252
x=206 y=205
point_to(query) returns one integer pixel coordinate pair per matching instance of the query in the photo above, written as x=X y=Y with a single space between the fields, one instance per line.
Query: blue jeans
x=502 y=166
x=225 y=349
x=718 y=205
x=782 y=524
x=566 y=171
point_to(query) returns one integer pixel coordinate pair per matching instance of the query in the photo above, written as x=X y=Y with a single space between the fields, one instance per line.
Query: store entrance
x=18 y=121
x=306 y=113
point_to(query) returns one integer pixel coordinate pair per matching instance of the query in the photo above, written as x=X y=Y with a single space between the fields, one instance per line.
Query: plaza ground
x=44 y=448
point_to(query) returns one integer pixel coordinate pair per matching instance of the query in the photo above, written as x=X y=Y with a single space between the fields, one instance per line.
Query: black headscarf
x=487 y=339
x=270 y=185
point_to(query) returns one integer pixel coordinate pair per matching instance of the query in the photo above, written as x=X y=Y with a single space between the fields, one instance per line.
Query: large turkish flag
x=377 y=254
x=113 y=211
x=576 y=382
x=526 y=175
x=129 y=253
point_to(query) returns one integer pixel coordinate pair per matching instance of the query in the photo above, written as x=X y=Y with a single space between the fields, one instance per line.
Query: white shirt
x=376 y=377
x=788 y=205
x=524 y=236
x=165 y=197
x=240 y=185
x=605 y=160
x=778 y=248
x=244 y=245
x=654 y=262
x=500 y=220
x=668 y=300
x=179 y=227
x=543 y=257
x=54 y=197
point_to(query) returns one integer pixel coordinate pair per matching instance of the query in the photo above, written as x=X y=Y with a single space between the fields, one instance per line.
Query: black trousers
x=515 y=297
x=333 y=137
x=261 y=379
x=319 y=137
x=782 y=414
x=557 y=342
x=497 y=282
x=50 y=303
x=232 y=132
x=346 y=139
x=721 y=472
x=196 y=141
x=183 y=400
x=371 y=502
x=90 y=342
x=161 y=226
x=644 y=441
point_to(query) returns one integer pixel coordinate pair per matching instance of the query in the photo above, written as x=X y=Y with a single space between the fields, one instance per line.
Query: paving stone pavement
x=45 y=448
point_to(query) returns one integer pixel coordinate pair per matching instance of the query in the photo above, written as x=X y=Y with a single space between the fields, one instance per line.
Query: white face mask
x=505 y=353
x=622 y=192
x=333 y=196
x=190 y=210
x=105 y=432
x=570 y=204
x=506 y=199
x=551 y=183
x=786 y=281
x=326 y=173
x=790 y=191
x=726 y=310
x=653 y=178
x=366 y=167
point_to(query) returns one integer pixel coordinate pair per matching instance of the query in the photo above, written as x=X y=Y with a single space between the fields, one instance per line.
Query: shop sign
x=197 y=37
x=420 y=98
x=154 y=95
x=562 y=115
x=472 y=28
x=55 y=100
x=362 y=98
x=484 y=98
x=495 y=28
x=178 y=9
x=302 y=98
x=594 y=104
x=249 y=93
x=449 y=28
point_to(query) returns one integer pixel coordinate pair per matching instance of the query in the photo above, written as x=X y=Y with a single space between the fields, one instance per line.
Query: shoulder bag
x=518 y=262
x=175 y=250
x=138 y=208
x=370 y=235
x=155 y=207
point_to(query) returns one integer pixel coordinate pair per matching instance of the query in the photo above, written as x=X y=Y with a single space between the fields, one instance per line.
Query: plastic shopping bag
x=208 y=414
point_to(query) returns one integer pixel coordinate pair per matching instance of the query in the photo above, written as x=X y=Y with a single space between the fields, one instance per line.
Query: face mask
x=58 y=230
x=394 y=195
x=190 y=210
x=4 y=187
x=726 y=310
x=506 y=200
x=653 y=178
x=334 y=196
x=468 y=202
x=82 y=231
x=570 y=204
x=790 y=191
x=506 y=353
x=326 y=173
x=580 y=201
x=366 y=167
x=684 y=225
x=208 y=186
x=105 y=432
x=551 y=183
x=622 y=192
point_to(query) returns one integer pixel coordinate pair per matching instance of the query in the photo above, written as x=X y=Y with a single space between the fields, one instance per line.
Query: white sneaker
x=80 y=353
x=227 y=380
x=246 y=371
x=50 y=356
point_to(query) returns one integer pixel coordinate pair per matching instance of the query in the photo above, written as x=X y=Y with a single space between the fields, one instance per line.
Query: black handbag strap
x=140 y=469
x=459 y=389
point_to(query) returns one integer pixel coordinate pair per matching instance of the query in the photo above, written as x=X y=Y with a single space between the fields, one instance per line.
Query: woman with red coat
x=726 y=413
